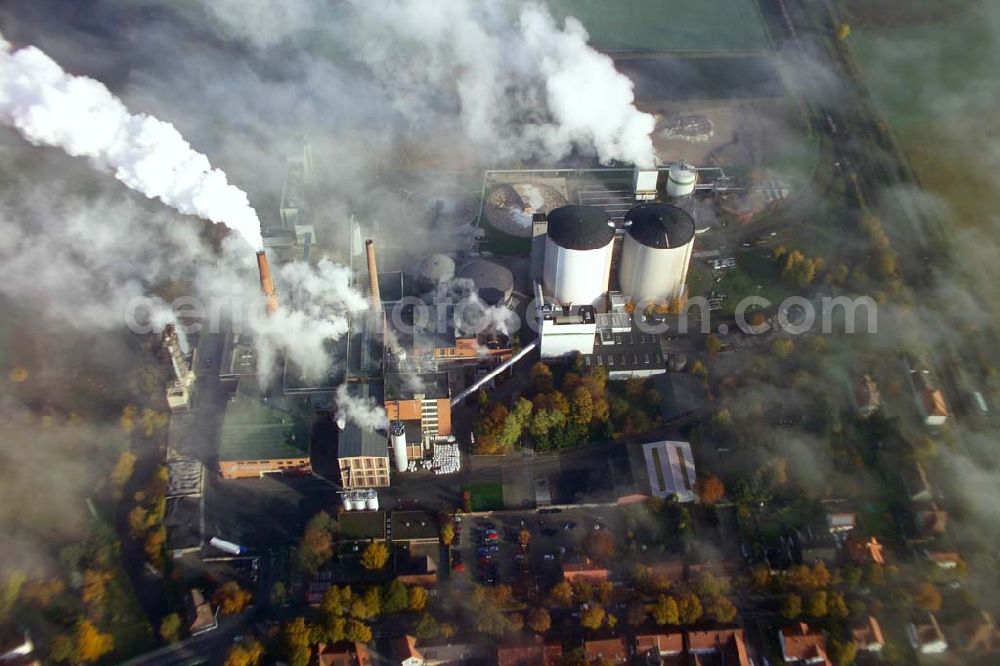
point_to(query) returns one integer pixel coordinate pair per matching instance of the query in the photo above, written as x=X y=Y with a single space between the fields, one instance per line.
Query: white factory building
x=656 y=252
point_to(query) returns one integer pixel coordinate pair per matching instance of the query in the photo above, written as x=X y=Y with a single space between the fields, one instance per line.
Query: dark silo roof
x=580 y=228
x=660 y=225
x=493 y=281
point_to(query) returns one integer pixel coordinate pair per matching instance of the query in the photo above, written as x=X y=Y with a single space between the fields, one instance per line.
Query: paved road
x=207 y=648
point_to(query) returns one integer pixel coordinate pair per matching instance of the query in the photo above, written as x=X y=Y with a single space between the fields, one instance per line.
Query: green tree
x=837 y=606
x=336 y=601
x=427 y=627
x=170 y=628
x=316 y=545
x=396 y=597
x=782 y=347
x=816 y=604
x=295 y=641
x=843 y=32
x=666 y=611
x=279 y=594
x=720 y=609
x=689 y=609
x=841 y=653
x=791 y=606
x=375 y=556
x=355 y=630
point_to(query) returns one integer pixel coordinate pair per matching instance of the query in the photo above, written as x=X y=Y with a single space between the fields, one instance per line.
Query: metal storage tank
x=348 y=504
x=656 y=252
x=434 y=269
x=681 y=179
x=494 y=283
x=372 y=502
x=578 y=251
x=398 y=437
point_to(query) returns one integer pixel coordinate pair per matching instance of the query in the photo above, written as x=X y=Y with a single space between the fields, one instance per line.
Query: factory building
x=363 y=458
x=423 y=403
x=434 y=270
x=578 y=249
x=181 y=375
x=656 y=252
x=262 y=438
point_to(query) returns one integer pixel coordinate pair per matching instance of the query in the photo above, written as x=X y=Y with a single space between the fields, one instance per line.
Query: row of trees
x=561 y=417
x=317 y=542
x=343 y=614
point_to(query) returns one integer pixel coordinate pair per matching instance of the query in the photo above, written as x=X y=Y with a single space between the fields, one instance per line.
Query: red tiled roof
x=662 y=643
x=610 y=650
x=803 y=644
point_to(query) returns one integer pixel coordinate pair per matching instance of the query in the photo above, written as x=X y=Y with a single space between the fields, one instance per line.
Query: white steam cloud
x=323 y=303
x=365 y=412
x=532 y=90
x=81 y=116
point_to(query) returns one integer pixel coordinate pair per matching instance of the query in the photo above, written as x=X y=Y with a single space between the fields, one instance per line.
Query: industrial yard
x=539 y=333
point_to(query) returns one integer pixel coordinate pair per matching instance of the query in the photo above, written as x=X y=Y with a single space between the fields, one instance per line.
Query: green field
x=668 y=25
x=486 y=496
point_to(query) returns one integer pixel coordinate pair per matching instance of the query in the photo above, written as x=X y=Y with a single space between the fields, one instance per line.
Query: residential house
x=340 y=654
x=868 y=635
x=840 y=522
x=918 y=488
x=802 y=645
x=926 y=637
x=862 y=552
x=930 y=399
x=654 y=648
x=407 y=654
x=930 y=520
x=456 y=654
x=946 y=559
x=608 y=651
x=530 y=654
x=718 y=645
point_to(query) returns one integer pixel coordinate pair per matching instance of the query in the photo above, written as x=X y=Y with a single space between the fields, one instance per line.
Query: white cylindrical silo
x=372 y=502
x=578 y=251
x=397 y=434
x=348 y=504
x=681 y=179
x=656 y=252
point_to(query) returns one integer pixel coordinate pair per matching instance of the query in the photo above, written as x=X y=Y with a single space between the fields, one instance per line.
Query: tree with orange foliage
x=710 y=489
x=231 y=599
x=91 y=644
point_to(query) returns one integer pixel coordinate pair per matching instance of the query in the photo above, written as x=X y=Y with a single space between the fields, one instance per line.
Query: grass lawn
x=487 y=496
x=756 y=275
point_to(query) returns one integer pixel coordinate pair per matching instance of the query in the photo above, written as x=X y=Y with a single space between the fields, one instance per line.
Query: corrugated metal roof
x=353 y=442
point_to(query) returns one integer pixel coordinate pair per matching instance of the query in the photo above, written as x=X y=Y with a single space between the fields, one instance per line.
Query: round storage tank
x=578 y=254
x=372 y=502
x=494 y=283
x=656 y=252
x=348 y=503
x=434 y=269
x=681 y=180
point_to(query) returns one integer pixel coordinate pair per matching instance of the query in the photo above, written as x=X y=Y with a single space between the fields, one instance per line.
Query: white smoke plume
x=301 y=331
x=81 y=116
x=532 y=90
x=364 y=412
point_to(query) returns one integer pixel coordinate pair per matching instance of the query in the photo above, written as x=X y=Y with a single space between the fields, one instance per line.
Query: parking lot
x=490 y=552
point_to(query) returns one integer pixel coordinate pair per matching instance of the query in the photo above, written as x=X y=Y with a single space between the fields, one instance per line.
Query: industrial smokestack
x=266 y=283
x=376 y=296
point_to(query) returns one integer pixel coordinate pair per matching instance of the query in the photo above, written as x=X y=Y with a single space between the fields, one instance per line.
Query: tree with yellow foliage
x=375 y=556
x=247 y=653
x=91 y=644
x=843 y=31
x=231 y=599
